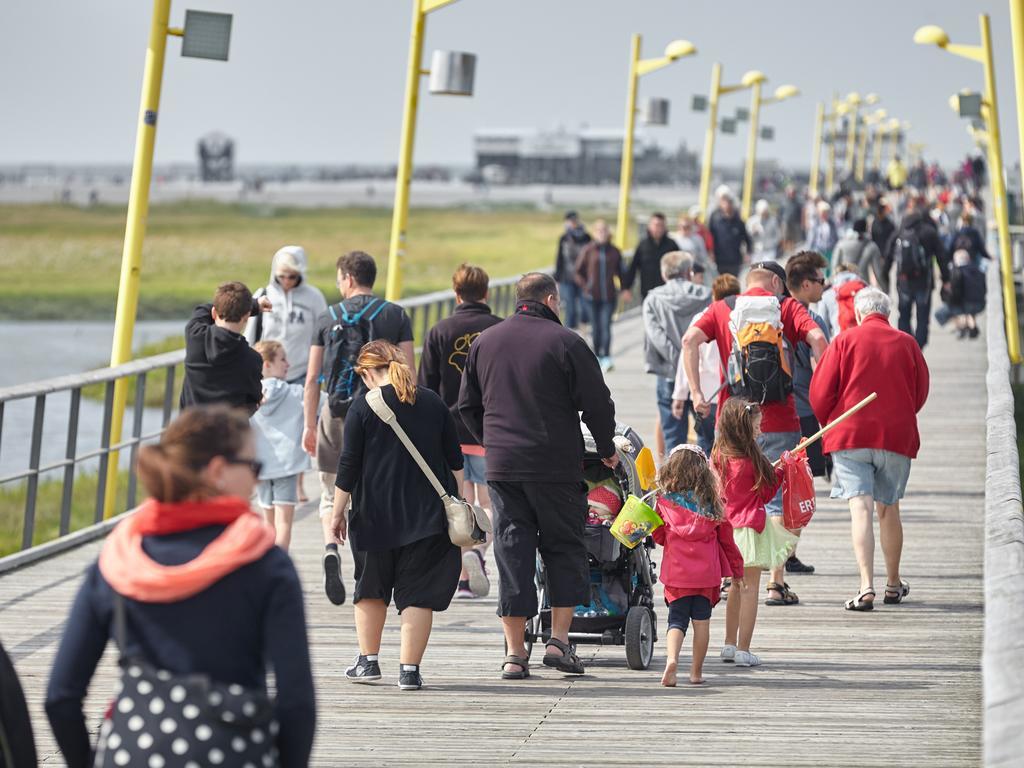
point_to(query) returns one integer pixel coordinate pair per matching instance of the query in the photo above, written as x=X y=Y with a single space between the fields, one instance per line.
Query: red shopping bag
x=798 y=502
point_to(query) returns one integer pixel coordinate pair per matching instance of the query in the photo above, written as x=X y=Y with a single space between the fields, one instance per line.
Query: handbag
x=173 y=720
x=468 y=524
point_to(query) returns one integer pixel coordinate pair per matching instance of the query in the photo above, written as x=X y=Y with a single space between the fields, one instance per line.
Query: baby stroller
x=621 y=609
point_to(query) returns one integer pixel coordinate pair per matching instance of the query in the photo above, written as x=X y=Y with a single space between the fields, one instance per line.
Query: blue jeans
x=774 y=444
x=676 y=431
x=601 y=325
x=915 y=300
x=574 y=306
x=704 y=426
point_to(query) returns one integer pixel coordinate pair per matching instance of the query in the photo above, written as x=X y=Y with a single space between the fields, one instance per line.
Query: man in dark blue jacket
x=526 y=381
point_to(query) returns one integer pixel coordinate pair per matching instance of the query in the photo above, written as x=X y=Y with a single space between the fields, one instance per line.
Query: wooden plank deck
x=899 y=687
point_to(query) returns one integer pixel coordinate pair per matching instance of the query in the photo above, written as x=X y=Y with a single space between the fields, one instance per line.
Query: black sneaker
x=793 y=565
x=409 y=679
x=333 y=585
x=363 y=671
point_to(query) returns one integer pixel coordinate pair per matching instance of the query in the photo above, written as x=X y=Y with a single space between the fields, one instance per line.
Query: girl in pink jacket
x=699 y=549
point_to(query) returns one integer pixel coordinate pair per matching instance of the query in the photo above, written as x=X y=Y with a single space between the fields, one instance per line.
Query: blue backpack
x=351 y=332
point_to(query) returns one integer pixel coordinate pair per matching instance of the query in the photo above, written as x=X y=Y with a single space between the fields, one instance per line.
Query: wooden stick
x=818 y=435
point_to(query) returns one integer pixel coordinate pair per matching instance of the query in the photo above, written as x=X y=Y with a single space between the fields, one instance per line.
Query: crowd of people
x=758 y=331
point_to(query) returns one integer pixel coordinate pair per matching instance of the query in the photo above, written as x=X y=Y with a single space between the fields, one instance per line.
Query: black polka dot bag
x=165 y=720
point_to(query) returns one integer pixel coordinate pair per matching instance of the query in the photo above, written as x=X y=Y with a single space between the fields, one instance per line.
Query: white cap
x=291 y=258
x=724 y=191
x=761 y=206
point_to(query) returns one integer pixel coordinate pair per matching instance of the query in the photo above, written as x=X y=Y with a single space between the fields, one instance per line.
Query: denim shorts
x=773 y=444
x=873 y=472
x=474 y=469
x=280 y=490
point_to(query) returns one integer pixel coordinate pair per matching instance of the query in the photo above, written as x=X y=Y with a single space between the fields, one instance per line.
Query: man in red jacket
x=873 y=449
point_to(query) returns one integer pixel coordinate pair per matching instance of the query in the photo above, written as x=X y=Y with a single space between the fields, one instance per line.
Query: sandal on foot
x=895 y=594
x=789 y=597
x=519 y=661
x=860 y=604
x=567 y=662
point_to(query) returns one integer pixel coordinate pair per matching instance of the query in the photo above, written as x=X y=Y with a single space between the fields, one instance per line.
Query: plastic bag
x=798 y=499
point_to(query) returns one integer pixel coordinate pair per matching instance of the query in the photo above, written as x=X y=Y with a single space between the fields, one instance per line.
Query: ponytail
x=381 y=355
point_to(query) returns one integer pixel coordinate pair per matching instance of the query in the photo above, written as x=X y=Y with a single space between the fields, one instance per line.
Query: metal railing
x=424 y=311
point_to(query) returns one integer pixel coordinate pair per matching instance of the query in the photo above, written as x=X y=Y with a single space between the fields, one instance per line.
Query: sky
x=321 y=81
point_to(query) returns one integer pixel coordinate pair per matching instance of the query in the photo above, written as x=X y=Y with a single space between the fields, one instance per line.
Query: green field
x=62 y=262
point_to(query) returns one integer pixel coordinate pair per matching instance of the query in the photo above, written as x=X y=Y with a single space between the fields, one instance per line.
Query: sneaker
x=973 y=333
x=746 y=659
x=728 y=654
x=473 y=562
x=409 y=678
x=463 y=592
x=793 y=565
x=363 y=671
x=333 y=585
x=606 y=364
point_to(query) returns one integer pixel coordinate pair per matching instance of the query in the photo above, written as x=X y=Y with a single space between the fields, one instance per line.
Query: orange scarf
x=132 y=573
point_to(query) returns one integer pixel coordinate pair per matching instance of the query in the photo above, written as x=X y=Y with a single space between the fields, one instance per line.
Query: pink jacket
x=698 y=551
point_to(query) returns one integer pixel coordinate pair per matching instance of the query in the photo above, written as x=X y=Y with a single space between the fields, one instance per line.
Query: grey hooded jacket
x=277 y=426
x=668 y=310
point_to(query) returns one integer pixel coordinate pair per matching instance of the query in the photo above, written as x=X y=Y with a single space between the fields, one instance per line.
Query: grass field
x=62 y=262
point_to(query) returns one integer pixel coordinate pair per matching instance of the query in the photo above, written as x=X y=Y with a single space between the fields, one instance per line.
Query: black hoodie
x=220 y=366
x=526 y=381
x=928 y=236
x=444 y=355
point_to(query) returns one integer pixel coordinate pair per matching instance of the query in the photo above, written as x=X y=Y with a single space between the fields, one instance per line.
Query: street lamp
x=874 y=118
x=206 y=36
x=755 y=80
x=451 y=73
x=677 y=49
x=749 y=80
x=982 y=54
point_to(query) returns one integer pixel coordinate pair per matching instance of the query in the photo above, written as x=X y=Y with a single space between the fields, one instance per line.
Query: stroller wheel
x=639 y=637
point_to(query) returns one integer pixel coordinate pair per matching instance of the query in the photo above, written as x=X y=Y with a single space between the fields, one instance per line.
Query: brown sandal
x=519 y=661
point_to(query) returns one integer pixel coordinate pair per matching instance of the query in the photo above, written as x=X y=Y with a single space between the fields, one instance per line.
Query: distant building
x=589 y=156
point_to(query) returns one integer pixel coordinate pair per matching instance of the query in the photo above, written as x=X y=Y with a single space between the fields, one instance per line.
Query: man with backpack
x=757 y=333
x=836 y=305
x=914 y=249
x=340 y=333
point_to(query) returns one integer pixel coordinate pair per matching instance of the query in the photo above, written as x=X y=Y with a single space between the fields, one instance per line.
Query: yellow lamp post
x=201 y=40
x=982 y=54
x=403 y=179
x=675 y=50
x=717 y=91
x=881 y=133
x=873 y=119
x=839 y=108
x=755 y=80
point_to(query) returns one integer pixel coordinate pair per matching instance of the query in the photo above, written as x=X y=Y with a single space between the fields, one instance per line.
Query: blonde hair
x=269 y=350
x=689 y=471
x=383 y=355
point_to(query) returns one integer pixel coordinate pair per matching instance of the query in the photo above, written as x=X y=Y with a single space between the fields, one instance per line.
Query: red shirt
x=872 y=357
x=796 y=324
x=744 y=506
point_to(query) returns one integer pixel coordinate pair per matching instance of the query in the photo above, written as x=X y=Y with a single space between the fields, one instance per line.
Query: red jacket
x=744 y=506
x=698 y=551
x=873 y=357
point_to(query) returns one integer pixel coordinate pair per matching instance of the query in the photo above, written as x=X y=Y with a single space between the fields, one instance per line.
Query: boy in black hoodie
x=220 y=366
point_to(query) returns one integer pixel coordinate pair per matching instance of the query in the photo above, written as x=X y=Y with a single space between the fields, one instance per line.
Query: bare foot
x=698 y=680
x=668 y=679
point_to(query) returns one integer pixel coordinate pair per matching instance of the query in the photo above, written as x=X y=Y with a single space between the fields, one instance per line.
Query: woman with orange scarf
x=192 y=585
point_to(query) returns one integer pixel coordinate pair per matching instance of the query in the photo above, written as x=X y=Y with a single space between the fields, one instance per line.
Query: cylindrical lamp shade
x=656 y=112
x=451 y=72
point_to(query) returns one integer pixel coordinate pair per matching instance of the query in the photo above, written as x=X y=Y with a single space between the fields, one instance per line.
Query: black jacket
x=569 y=246
x=233 y=631
x=526 y=382
x=444 y=355
x=393 y=502
x=929 y=238
x=15 y=724
x=881 y=230
x=220 y=366
x=647 y=261
x=729 y=234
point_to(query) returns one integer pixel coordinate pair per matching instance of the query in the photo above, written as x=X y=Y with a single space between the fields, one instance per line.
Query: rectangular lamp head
x=207 y=35
x=700 y=103
x=742 y=114
x=728 y=125
x=767 y=133
x=970 y=104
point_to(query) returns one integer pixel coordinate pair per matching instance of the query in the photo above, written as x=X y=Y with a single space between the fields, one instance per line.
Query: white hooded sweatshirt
x=293 y=318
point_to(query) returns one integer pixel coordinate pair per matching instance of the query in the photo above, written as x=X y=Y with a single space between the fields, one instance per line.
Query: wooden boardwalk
x=898 y=687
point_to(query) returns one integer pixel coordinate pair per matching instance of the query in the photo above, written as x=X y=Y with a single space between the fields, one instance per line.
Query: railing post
x=67 y=496
x=32 y=486
x=169 y=395
x=101 y=480
x=140 y=406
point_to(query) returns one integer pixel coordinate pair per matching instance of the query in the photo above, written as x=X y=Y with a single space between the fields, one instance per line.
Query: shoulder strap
x=377 y=311
x=730 y=301
x=375 y=399
x=334 y=314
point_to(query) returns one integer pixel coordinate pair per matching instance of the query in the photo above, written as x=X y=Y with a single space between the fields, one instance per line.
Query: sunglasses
x=289 y=277
x=818 y=280
x=254 y=465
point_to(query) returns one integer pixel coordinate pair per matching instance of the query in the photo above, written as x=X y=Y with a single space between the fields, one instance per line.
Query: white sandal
x=859 y=603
